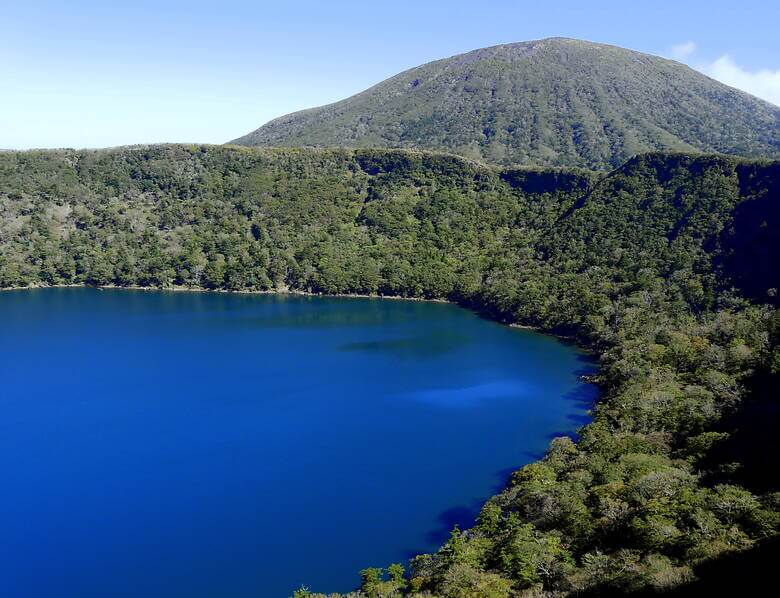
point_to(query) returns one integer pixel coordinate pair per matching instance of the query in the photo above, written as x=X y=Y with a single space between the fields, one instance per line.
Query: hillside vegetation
x=553 y=102
x=667 y=267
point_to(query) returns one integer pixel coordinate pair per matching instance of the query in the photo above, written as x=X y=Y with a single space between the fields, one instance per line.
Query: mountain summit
x=554 y=102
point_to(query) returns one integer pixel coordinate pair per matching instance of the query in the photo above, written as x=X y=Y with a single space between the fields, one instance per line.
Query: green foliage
x=370 y=581
x=652 y=267
x=532 y=558
x=464 y=581
x=374 y=585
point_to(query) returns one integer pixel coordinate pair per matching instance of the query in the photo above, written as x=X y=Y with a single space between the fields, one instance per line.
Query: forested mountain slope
x=553 y=102
x=666 y=267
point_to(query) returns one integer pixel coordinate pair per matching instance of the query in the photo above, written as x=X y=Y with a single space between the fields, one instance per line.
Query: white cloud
x=764 y=83
x=683 y=51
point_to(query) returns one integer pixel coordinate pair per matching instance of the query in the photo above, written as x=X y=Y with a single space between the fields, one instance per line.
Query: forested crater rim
x=667 y=268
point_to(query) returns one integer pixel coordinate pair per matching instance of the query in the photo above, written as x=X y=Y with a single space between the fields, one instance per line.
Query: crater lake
x=160 y=443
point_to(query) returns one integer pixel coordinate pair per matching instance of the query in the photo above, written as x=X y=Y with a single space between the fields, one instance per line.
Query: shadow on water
x=577 y=418
x=434 y=344
x=533 y=456
x=585 y=394
x=465 y=516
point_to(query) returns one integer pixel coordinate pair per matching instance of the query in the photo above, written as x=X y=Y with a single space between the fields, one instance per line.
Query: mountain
x=553 y=102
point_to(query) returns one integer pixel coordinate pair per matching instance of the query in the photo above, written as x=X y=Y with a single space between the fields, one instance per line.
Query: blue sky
x=97 y=73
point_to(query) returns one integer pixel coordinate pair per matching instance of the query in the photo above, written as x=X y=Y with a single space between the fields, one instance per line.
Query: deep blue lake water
x=195 y=444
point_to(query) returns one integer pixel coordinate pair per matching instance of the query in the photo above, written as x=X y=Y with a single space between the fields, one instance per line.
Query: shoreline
x=183 y=289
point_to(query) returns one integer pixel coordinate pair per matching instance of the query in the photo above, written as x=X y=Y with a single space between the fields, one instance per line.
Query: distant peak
x=555 y=101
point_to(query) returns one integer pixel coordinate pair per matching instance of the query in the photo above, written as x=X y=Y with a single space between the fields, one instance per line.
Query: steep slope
x=554 y=102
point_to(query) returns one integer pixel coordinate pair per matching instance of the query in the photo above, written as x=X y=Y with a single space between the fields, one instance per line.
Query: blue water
x=193 y=444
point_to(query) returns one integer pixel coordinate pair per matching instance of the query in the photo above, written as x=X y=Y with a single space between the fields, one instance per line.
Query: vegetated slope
x=651 y=266
x=555 y=102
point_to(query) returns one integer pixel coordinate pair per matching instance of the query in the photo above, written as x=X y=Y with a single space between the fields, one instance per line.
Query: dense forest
x=666 y=267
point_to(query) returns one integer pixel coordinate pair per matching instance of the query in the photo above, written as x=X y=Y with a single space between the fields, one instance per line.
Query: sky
x=98 y=74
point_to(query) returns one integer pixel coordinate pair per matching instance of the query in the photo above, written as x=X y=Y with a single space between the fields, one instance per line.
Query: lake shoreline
x=183 y=289
x=569 y=339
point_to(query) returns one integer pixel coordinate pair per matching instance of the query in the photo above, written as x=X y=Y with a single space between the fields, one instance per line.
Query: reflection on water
x=473 y=396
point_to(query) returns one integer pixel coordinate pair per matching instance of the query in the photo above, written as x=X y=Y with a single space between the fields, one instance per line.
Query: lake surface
x=195 y=444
